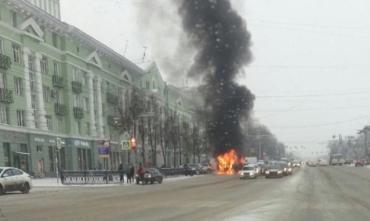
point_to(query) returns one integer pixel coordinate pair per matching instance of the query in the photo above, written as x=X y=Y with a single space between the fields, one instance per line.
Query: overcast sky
x=311 y=57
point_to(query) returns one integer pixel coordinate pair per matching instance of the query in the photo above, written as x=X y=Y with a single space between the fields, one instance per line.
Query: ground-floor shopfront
x=39 y=155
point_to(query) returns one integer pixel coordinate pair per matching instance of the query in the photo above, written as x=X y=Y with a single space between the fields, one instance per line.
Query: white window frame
x=18 y=86
x=16 y=53
x=44 y=65
x=20 y=118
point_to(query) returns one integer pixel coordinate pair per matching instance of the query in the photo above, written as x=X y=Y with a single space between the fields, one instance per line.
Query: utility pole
x=365 y=132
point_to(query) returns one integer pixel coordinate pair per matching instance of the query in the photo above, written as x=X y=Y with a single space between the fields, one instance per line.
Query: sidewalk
x=53 y=182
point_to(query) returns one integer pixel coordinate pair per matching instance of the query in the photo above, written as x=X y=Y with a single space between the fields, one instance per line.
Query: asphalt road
x=317 y=193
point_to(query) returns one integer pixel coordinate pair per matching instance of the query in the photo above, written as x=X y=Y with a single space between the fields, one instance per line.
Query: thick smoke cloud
x=223 y=48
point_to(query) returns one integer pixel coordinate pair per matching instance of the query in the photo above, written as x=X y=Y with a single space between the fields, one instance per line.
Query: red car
x=360 y=163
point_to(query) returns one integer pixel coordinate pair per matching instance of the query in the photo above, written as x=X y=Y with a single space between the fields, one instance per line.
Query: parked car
x=360 y=163
x=197 y=167
x=274 y=171
x=248 y=171
x=151 y=175
x=13 y=179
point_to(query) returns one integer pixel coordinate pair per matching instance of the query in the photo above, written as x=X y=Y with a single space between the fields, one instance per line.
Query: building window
x=46 y=93
x=4 y=115
x=20 y=118
x=2 y=80
x=6 y=149
x=59 y=125
x=14 y=19
x=1 y=46
x=39 y=149
x=49 y=123
x=88 y=128
x=31 y=63
x=24 y=148
x=56 y=68
x=147 y=84
x=78 y=127
x=16 y=53
x=18 y=86
x=55 y=39
x=44 y=65
x=153 y=84
x=78 y=49
x=86 y=104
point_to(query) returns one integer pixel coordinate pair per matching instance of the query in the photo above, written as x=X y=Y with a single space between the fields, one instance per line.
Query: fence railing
x=106 y=176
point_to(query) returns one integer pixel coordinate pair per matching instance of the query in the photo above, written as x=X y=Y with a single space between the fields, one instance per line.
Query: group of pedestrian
x=130 y=173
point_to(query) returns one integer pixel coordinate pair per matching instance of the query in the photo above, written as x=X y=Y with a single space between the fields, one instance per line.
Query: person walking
x=131 y=174
x=120 y=169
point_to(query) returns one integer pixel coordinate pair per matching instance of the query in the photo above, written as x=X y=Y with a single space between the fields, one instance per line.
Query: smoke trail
x=223 y=43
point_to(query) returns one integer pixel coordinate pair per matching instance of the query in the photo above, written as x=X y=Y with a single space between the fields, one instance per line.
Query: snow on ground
x=53 y=182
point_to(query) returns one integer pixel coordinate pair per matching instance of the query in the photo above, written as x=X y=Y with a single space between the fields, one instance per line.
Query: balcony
x=6 y=96
x=60 y=109
x=5 y=62
x=112 y=99
x=76 y=87
x=58 y=81
x=78 y=112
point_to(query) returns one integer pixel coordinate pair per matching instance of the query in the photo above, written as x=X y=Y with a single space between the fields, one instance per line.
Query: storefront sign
x=81 y=143
x=39 y=140
x=104 y=148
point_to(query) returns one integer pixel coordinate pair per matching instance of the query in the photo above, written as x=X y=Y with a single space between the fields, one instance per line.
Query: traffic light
x=133 y=143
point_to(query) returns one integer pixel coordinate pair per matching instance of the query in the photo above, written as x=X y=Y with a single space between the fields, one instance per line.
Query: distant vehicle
x=274 y=171
x=13 y=179
x=296 y=163
x=287 y=170
x=323 y=162
x=151 y=175
x=336 y=159
x=251 y=160
x=248 y=172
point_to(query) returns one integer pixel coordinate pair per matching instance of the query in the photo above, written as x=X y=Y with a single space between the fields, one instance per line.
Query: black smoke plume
x=222 y=41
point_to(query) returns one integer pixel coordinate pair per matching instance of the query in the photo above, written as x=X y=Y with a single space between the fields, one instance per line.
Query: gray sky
x=311 y=57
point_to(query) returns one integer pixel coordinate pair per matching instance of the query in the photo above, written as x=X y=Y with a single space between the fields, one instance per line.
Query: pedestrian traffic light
x=133 y=143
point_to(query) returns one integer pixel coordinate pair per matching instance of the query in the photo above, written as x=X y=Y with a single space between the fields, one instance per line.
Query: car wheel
x=26 y=188
x=2 y=191
x=160 y=181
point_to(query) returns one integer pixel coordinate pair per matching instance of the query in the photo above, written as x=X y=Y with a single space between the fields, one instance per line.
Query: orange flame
x=228 y=162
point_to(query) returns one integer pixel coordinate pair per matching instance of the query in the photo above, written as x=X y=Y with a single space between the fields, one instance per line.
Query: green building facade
x=59 y=84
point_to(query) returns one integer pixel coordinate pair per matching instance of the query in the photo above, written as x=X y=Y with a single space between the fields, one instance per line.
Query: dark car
x=188 y=170
x=274 y=171
x=151 y=175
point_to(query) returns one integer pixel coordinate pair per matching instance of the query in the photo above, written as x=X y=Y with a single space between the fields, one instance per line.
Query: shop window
x=6 y=151
x=39 y=149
